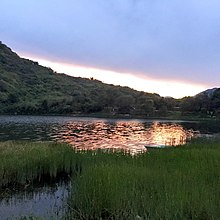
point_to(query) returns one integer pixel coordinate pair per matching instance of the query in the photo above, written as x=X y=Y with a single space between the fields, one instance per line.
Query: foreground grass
x=24 y=162
x=177 y=183
x=180 y=183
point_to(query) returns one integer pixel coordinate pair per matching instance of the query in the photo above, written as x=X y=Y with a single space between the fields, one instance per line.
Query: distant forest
x=28 y=88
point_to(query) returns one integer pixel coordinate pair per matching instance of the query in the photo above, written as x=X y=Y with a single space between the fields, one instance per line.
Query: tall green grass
x=174 y=183
x=23 y=162
x=178 y=183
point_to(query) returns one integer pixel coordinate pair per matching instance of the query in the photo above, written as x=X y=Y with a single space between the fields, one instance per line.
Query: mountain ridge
x=29 y=88
x=208 y=92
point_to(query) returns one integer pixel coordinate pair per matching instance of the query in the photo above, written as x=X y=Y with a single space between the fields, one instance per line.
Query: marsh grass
x=23 y=162
x=175 y=183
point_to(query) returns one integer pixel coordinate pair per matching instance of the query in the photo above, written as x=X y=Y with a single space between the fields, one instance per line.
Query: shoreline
x=132 y=117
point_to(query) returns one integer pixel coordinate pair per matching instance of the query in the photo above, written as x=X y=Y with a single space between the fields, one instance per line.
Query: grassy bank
x=178 y=183
x=24 y=162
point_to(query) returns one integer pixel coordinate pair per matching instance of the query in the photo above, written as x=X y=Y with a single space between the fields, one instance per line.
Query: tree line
x=28 y=88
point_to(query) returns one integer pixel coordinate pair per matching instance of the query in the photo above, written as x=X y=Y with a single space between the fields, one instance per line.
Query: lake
x=93 y=133
x=87 y=133
x=48 y=201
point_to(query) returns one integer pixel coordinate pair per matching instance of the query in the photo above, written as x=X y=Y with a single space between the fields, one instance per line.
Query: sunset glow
x=173 y=89
x=171 y=48
x=130 y=136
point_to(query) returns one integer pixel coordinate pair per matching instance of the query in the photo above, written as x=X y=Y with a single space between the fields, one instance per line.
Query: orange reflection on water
x=127 y=135
x=169 y=135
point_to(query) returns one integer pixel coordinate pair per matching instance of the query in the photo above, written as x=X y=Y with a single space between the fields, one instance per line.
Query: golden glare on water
x=128 y=136
x=169 y=135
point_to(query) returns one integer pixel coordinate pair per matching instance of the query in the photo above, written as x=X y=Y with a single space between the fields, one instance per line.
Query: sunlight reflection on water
x=88 y=133
x=132 y=136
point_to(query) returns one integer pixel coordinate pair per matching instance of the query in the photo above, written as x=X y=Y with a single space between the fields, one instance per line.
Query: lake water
x=93 y=133
x=46 y=202
x=86 y=133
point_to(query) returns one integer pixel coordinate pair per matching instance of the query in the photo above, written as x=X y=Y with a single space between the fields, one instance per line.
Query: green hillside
x=28 y=88
x=205 y=104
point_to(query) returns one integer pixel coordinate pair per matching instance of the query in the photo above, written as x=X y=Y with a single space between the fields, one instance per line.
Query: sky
x=167 y=47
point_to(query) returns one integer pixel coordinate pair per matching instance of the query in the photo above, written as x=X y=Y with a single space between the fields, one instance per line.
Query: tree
x=13 y=98
x=144 y=106
x=124 y=104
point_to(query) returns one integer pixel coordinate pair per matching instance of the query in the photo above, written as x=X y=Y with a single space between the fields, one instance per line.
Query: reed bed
x=176 y=183
x=24 y=162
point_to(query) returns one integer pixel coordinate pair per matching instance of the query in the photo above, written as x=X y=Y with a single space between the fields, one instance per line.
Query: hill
x=208 y=92
x=204 y=104
x=29 y=88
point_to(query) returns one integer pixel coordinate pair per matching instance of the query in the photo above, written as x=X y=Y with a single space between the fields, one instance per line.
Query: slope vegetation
x=28 y=88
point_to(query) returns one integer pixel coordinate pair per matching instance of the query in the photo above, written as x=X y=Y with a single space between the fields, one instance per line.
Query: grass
x=177 y=183
x=22 y=162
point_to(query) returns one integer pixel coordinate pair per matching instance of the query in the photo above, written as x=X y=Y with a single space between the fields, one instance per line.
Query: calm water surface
x=91 y=133
x=46 y=202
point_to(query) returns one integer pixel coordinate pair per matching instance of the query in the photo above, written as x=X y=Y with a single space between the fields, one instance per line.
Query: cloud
x=160 y=39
